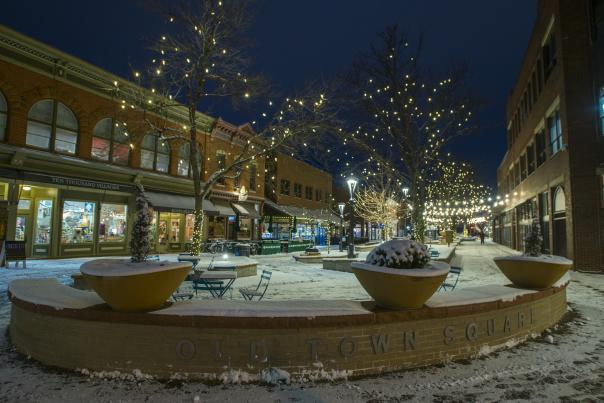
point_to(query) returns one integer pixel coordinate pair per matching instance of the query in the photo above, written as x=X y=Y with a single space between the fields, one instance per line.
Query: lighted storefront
x=66 y=220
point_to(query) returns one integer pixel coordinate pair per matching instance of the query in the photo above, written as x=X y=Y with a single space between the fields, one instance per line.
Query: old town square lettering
x=346 y=347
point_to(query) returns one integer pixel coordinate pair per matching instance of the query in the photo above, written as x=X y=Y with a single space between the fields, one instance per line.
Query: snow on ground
x=566 y=364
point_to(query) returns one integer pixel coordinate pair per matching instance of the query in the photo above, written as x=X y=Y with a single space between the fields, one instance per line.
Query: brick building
x=68 y=169
x=552 y=171
x=299 y=201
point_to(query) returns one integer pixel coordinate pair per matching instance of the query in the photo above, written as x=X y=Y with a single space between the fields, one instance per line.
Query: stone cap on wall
x=50 y=297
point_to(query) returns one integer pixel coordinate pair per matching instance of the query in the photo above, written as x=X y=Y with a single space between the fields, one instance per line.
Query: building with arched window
x=553 y=171
x=69 y=160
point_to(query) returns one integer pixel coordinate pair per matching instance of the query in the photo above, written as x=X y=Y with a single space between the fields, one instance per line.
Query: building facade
x=553 y=169
x=299 y=201
x=68 y=168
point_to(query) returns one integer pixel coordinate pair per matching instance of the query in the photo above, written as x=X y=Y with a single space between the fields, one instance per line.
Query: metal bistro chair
x=251 y=292
x=451 y=281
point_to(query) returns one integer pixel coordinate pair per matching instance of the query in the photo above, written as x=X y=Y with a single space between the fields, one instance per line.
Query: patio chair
x=250 y=293
x=452 y=278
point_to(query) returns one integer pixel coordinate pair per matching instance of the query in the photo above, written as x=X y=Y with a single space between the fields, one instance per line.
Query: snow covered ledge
x=236 y=341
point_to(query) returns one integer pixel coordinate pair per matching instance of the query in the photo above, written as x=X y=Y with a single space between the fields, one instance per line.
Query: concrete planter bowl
x=134 y=287
x=400 y=288
x=536 y=272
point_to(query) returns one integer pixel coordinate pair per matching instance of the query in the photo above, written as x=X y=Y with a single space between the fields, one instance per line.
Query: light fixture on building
x=27 y=188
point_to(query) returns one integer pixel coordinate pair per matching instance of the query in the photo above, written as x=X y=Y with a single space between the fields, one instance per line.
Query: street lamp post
x=406 y=193
x=352 y=184
x=341 y=208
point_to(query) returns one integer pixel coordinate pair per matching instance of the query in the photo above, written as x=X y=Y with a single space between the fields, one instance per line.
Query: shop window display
x=189 y=225
x=21 y=228
x=78 y=221
x=43 y=222
x=112 y=223
x=169 y=228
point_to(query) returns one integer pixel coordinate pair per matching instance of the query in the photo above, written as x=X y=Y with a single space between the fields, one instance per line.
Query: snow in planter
x=399 y=254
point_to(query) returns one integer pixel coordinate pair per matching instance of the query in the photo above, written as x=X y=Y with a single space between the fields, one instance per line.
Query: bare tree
x=201 y=58
x=406 y=117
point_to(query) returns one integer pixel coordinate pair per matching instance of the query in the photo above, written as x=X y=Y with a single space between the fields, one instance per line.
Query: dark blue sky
x=300 y=40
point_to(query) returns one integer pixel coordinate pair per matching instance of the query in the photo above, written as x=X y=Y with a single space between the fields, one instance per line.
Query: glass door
x=43 y=227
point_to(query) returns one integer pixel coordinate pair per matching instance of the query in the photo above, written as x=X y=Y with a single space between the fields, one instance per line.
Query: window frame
x=112 y=142
x=554 y=124
x=156 y=153
x=53 y=127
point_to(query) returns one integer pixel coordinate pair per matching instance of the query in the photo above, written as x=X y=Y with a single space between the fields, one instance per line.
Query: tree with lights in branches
x=377 y=206
x=453 y=194
x=199 y=59
x=406 y=117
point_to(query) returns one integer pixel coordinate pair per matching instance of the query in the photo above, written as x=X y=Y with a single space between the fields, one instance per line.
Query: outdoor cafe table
x=190 y=258
x=207 y=277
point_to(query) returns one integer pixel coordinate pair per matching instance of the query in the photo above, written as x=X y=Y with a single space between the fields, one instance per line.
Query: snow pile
x=399 y=254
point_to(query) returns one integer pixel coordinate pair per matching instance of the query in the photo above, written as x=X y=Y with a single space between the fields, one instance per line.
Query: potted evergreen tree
x=399 y=274
x=533 y=269
x=136 y=284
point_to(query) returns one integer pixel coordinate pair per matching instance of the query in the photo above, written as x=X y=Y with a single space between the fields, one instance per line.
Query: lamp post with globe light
x=341 y=208
x=352 y=184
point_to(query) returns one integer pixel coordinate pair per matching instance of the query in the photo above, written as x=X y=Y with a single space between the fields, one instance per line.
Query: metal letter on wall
x=347 y=347
x=379 y=343
x=185 y=349
x=258 y=351
x=410 y=341
x=471 y=331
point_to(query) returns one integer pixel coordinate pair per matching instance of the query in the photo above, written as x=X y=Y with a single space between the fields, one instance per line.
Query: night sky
x=296 y=41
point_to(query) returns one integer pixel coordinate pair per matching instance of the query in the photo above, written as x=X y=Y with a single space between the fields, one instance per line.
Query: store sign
x=65 y=181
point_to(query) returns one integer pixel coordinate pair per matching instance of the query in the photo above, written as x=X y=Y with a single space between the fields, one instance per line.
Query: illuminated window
x=112 y=222
x=52 y=126
x=78 y=222
x=110 y=142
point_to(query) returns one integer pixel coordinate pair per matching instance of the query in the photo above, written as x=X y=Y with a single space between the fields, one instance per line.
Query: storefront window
x=78 y=221
x=189 y=225
x=169 y=228
x=43 y=222
x=216 y=227
x=245 y=227
x=153 y=230
x=21 y=228
x=174 y=229
x=112 y=224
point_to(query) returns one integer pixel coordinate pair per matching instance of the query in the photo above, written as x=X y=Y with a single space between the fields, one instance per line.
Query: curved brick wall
x=366 y=341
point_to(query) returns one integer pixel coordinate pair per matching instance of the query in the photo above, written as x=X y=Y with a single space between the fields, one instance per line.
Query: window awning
x=246 y=209
x=223 y=207
x=178 y=203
